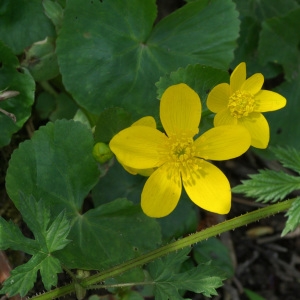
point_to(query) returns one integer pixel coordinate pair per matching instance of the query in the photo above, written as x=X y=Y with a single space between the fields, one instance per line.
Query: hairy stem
x=177 y=245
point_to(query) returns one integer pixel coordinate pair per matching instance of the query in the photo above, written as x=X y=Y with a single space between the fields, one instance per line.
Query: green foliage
x=289 y=157
x=110 y=122
x=121 y=61
x=268 y=186
x=200 y=78
x=17 y=17
x=50 y=236
x=168 y=279
x=12 y=79
x=41 y=60
x=60 y=155
x=293 y=217
x=88 y=69
x=271 y=186
x=286 y=123
x=265 y=28
x=214 y=251
x=281 y=33
x=252 y=295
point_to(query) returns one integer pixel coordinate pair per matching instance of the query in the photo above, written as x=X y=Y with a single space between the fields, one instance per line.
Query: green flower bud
x=102 y=153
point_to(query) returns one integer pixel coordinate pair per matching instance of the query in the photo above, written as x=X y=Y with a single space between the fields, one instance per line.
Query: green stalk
x=177 y=245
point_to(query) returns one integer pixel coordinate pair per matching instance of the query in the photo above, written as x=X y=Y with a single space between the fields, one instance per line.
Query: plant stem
x=177 y=245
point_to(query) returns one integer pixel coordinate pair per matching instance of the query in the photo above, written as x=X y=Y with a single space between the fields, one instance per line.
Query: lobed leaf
x=57 y=166
x=215 y=251
x=12 y=237
x=167 y=280
x=289 y=157
x=293 y=220
x=268 y=186
x=121 y=61
x=281 y=33
x=48 y=240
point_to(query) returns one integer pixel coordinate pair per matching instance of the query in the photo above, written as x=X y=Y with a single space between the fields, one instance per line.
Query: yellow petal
x=180 y=110
x=258 y=128
x=253 y=84
x=217 y=99
x=211 y=191
x=139 y=147
x=269 y=101
x=224 y=117
x=223 y=142
x=161 y=192
x=145 y=121
x=143 y=172
x=237 y=77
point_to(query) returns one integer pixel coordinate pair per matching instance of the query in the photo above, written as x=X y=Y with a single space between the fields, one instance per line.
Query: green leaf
x=288 y=157
x=41 y=61
x=247 y=50
x=54 y=12
x=110 y=122
x=66 y=108
x=121 y=61
x=252 y=295
x=107 y=229
x=200 y=78
x=167 y=281
x=268 y=186
x=22 y=23
x=12 y=237
x=59 y=155
x=50 y=236
x=252 y=14
x=266 y=9
x=286 y=120
x=281 y=33
x=293 y=220
x=13 y=78
x=117 y=183
x=215 y=251
x=44 y=105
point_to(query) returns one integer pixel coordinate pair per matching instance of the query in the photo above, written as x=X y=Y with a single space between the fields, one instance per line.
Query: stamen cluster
x=241 y=104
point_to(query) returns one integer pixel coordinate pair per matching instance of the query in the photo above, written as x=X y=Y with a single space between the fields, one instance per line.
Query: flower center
x=181 y=158
x=241 y=104
x=181 y=149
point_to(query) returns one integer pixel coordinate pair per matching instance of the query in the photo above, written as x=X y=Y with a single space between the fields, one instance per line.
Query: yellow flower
x=178 y=158
x=241 y=103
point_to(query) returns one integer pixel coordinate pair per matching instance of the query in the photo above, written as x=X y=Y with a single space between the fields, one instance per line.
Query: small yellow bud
x=102 y=153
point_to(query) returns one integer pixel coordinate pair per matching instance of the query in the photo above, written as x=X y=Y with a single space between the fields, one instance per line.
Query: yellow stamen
x=180 y=157
x=241 y=104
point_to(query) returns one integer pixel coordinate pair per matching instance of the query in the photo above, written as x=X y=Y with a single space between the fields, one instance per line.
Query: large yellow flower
x=241 y=103
x=178 y=158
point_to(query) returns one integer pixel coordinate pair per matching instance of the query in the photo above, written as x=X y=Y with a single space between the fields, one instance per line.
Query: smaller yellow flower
x=241 y=103
x=177 y=159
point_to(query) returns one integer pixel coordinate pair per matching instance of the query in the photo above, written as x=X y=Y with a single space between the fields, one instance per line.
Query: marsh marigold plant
x=177 y=158
x=241 y=103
